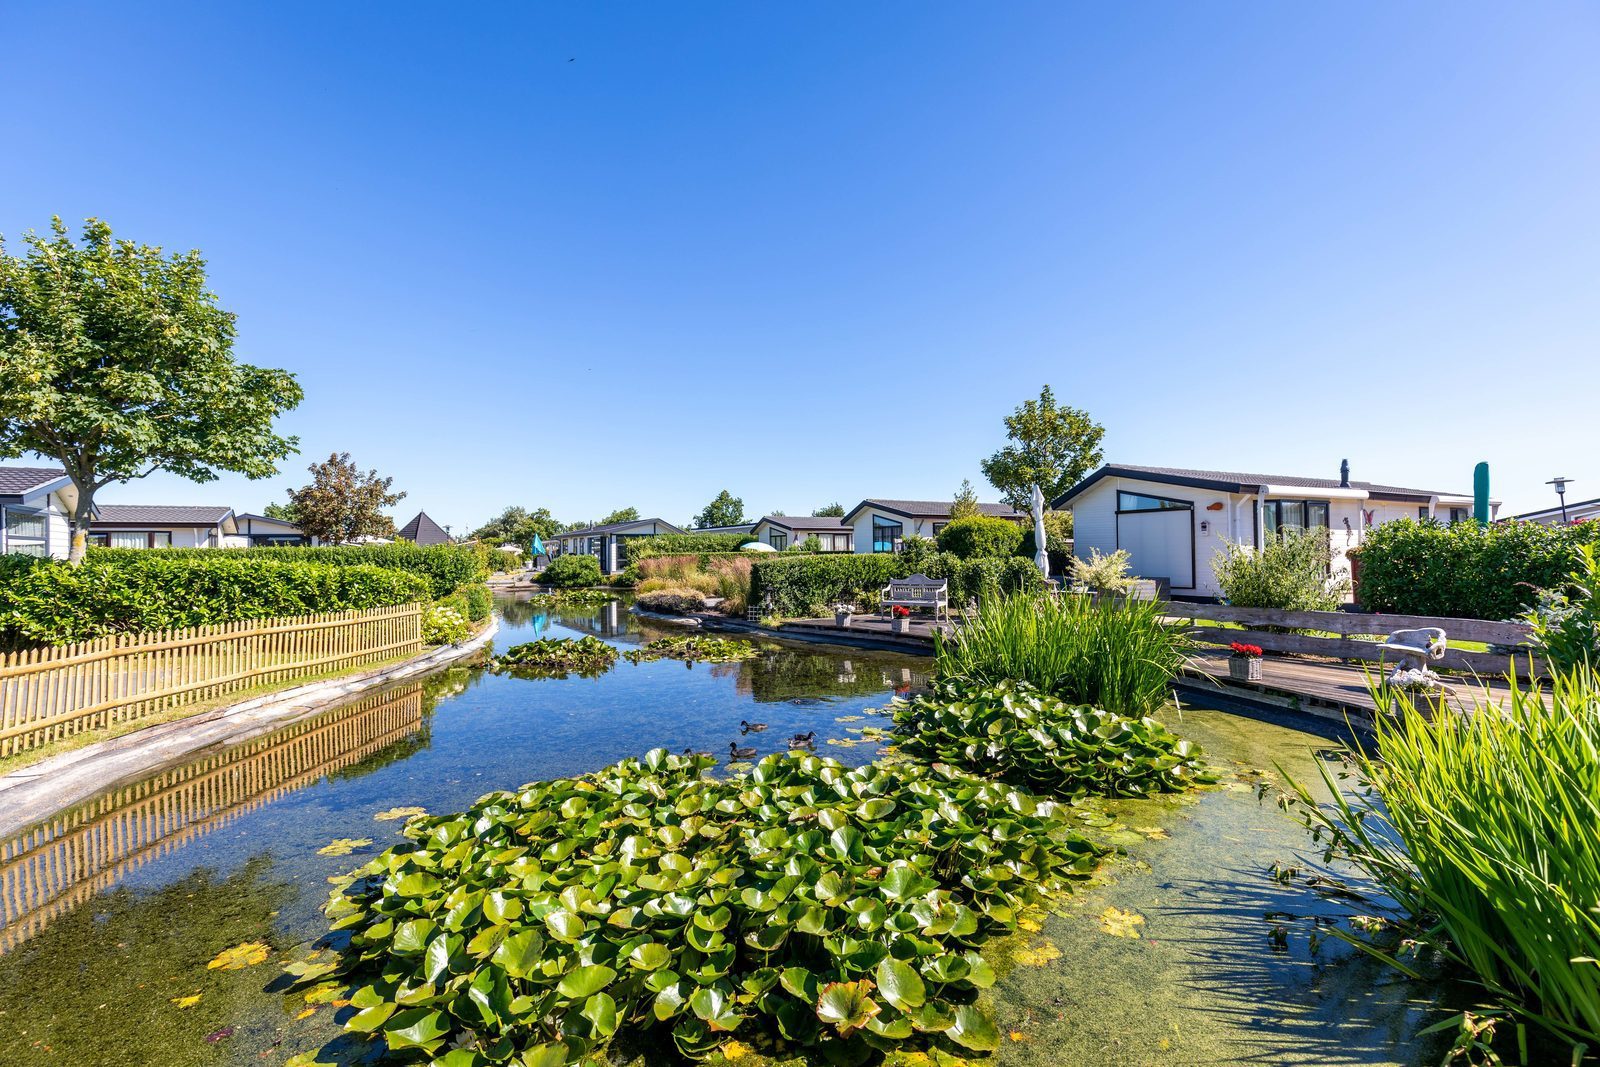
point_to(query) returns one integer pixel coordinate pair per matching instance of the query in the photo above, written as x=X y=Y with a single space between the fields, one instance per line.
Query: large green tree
x=834 y=510
x=519 y=525
x=620 y=515
x=341 y=503
x=725 y=510
x=116 y=361
x=1052 y=446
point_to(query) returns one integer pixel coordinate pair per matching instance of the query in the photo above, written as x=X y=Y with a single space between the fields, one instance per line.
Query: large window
x=25 y=532
x=886 y=535
x=1143 y=502
x=132 y=539
x=1284 y=515
x=779 y=541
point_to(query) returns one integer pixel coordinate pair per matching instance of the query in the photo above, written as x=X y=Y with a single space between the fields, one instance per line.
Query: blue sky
x=599 y=255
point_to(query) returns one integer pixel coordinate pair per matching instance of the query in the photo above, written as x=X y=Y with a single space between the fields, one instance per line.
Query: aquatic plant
x=1120 y=656
x=698 y=648
x=557 y=598
x=552 y=657
x=1485 y=830
x=1017 y=734
x=840 y=908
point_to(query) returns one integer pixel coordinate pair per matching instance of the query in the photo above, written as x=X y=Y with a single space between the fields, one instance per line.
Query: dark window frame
x=880 y=524
x=1166 y=503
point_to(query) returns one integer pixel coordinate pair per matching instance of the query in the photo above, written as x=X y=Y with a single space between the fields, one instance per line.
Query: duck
x=751 y=727
x=692 y=751
x=735 y=752
x=805 y=740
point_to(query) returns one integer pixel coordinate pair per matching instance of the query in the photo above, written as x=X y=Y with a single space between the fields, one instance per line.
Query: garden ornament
x=1416 y=648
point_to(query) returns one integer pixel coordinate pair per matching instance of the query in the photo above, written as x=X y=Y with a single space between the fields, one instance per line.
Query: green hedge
x=134 y=592
x=572 y=571
x=446 y=567
x=1465 y=571
x=475 y=602
x=808 y=585
x=686 y=544
x=980 y=536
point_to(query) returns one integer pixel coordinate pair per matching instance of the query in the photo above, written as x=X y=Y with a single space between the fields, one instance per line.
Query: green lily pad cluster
x=557 y=657
x=558 y=598
x=841 y=909
x=697 y=648
x=1014 y=732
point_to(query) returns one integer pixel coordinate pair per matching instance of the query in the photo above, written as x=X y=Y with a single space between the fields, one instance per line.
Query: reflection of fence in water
x=49 y=870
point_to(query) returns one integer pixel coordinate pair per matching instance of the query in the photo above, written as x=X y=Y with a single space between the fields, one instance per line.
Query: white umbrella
x=758 y=546
x=1041 y=557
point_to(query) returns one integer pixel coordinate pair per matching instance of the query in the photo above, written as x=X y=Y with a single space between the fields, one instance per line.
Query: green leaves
x=974 y=1030
x=553 y=657
x=585 y=981
x=846 y=1006
x=900 y=985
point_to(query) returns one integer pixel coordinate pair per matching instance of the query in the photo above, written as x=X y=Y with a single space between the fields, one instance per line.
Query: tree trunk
x=80 y=526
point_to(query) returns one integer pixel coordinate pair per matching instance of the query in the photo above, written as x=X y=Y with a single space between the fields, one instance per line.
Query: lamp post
x=1561 y=494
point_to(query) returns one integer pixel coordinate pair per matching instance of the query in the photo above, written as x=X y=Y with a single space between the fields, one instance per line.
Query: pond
x=110 y=913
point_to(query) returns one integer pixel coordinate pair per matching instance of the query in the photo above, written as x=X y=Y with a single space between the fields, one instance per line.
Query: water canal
x=110 y=913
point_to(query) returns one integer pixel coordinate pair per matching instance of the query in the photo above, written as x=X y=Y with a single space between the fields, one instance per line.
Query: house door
x=1161 y=543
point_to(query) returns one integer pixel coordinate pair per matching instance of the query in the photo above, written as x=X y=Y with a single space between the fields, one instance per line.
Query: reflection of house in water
x=789 y=673
x=47 y=871
x=603 y=620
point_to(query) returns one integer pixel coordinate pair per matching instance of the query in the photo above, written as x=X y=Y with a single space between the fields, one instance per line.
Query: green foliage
x=518 y=526
x=1566 y=621
x=1106 y=575
x=980 y=580
x=725 y=510
x=446 y=567
x=571 y=571
x=1013 y=732
x=1118 y=656
x=1053 y=446
x=116 y=361
x=1485 y=829
x=560 y=598
x=444 y=625
x=641 y=548
x=341 y=504
x=802 y=586
x=696 y=648
x=980 y=536
x=132 y=591
x=833 y=510
x=965 y=504
x=473 y=601
x=552 y=657
x=1465 y=570
x=840 y=909
x=620 y=515
x=281 y=512
x=1290 y=572
x=1057 y=541
x=672 y=600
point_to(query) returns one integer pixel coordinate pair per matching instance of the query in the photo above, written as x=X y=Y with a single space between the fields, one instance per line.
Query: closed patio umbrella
x=537 y=548
x=1041 y=554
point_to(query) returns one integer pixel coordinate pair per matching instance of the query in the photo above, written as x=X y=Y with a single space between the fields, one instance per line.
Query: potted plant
x=842 y=614
x=1244 y=664
x=901 y=621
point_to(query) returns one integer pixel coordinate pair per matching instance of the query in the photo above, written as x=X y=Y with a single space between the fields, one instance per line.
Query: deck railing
x=47 y=694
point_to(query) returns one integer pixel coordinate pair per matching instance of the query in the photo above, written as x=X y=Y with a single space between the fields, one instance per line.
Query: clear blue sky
x=597 y=255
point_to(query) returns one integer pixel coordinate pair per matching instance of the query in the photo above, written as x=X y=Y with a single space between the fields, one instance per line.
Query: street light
x=1561 y=493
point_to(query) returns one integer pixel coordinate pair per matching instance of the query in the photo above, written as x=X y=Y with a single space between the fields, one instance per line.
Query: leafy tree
x=834 y=509
x=342 y=504
x=965 y=505
x=620 y=515
x=116 y=361
x=519 y=525
x=725 y=510
x=281 y=512
x=1053 y=446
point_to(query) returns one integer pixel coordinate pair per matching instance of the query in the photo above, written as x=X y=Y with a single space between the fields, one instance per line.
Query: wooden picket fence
x=47 y=694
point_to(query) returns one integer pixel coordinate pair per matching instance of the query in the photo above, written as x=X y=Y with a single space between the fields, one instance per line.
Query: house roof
x=424 y=531
x=1555 y=512
x=613 y=527
x=807 y=523
x=931 y=509
x=18 y=482
x=736 y=528
x=1235 y=482
x=161 y=515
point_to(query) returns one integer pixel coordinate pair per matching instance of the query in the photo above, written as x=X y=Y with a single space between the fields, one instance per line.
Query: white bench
x=918 y=591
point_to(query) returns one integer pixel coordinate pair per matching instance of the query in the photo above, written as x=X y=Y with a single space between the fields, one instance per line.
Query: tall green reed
x=1116 y=655
x=1485 y=829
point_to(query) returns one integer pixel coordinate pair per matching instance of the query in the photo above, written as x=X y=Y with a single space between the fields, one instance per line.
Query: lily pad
x=240 y=956
x=343 y=846
x=1121 y=923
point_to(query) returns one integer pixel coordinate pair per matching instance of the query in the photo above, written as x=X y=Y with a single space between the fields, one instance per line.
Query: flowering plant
x=1246 y=651
x=901 y=613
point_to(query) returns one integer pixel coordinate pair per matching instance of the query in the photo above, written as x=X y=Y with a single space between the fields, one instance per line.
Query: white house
x=786 y=531
x=165 y=526
x=1578 y=511
x=604 y=542
x=1174 y=522
x=36 y=506
x=879 y=525
x=263 y=530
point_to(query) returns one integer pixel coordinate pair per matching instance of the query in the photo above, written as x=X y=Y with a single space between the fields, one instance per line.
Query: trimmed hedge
x=446 y=567
x=570 y=572
x=807 y=585
x=1465 y=571
x=134 y=592
x=686 y=544
x=980 y=536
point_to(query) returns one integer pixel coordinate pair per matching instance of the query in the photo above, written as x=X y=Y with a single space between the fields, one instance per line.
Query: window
x=597 y=546
x=1295 y=515
x=886 y=535
x=937 y=527
x=25 y=532
x=1141 y=502
x=836 y=543
x=1458 y=515
x=1422 y=514
x=132 y=539
x=779 y=541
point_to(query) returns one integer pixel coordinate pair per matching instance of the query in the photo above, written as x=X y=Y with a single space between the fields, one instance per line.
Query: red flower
x=901 y=613
x=1247 y=651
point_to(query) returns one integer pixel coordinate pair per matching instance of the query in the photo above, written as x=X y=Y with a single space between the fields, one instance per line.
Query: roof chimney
x=1344 y=474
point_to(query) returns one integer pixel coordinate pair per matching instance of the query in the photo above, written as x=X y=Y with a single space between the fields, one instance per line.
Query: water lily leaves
x=601 y=1011
x=800 y=982
x=1119 y=923
x=417 y=884
x=900 y=984
x=520 y=954
x=369 y=1019
x=582 y=982
x=186 y=1002
x=973 y=1029
x=239 y=957
x=715 y=1006
x=847 y=1005
x=650 y=956
x=1037 y=955
x=563 y=925
x=415 y=1028
x=545 y=1055
x=399 y=813
x=343 y=846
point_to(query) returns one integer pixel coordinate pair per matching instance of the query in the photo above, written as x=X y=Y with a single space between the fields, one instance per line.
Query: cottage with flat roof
x=786 y=531
x=880 y=525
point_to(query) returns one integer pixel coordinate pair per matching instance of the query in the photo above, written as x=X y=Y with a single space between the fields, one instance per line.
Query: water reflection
x=54 y=867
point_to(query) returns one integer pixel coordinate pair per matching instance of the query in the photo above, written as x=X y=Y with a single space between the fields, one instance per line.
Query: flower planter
x=1244 y=668
x=841 y=619
x=900 y=625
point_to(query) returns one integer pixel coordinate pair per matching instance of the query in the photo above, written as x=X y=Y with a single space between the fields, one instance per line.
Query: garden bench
x=918 y=591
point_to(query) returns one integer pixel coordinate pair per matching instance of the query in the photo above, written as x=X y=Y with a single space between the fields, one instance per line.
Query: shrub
x=916 y=551
x=733 y=582
x=446 y=567
x=566 y=572
x=677 y=600
x=1566 y=622
x=138 y=591
x=981 y=536
x=443 y=625
x=1013 y=732
x=1057 y=540
x=698 y=580
x=1106 y=575
x=801 y=586
x=841 y=908
x=474 y=602
x=635 y=549
x=982 y=579
x=1466 y=570
x=1120 y=656
x=670 y=567
x=1290 y=572
x=1484 y=828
